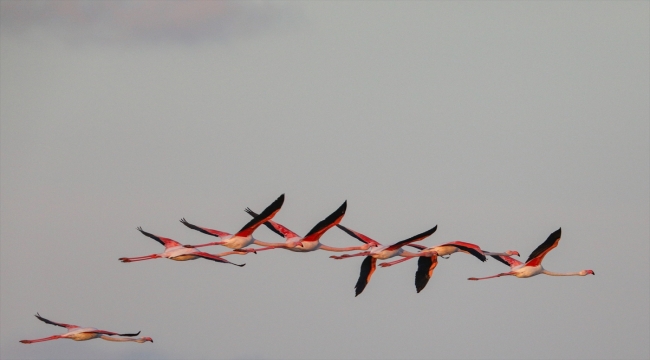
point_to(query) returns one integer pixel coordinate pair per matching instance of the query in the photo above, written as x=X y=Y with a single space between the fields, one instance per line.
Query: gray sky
x=498 y=121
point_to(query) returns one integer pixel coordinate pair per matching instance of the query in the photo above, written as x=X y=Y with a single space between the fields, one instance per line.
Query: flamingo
x=77 y=333
x=243 y=237
x=311 y=241
x=381 y=252
x=426 y=264
x=533 y=266
x=176 y=251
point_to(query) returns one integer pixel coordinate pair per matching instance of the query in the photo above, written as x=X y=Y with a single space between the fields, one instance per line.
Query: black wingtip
x=250 y=212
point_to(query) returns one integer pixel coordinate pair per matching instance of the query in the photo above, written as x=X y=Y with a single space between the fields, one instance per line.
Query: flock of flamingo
x=371 y=249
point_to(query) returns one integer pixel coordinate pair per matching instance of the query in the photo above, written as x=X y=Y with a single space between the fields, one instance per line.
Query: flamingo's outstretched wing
x=104 y=332
x=415 y=238
x=359 y=236
x=468 y=248
x=368 y=267
x=260 y=219
x=507 y=260
x=333 y=219
x=538 y=254
x=418 y=246
x=212 y=232
x=168 y=243
x=67 y=326
x=215 y=258
x=275 y=227
x=426 y=265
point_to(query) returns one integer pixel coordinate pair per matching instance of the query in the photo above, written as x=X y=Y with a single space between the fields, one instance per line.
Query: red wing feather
x=67 y=326
x=464 y=244
x=415 y=238
x=368 y=267
x=169 y=243
x=275 y=227
x=538 y=254
x=507 y=260
x=263 y=217
x=359 y=236
x=332 y=219
x=207 y=231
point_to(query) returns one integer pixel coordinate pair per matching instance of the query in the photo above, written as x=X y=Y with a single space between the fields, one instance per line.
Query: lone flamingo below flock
x=78 y=333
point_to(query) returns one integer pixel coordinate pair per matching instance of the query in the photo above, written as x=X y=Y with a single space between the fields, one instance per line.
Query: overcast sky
x=498 y=121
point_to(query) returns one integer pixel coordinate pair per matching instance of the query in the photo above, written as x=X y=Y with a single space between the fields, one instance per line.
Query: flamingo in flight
x=426 y=264
x=381 y=252
x=243 y=237
x=533 y=266
x=176 y=251
x=77 y=333
x=311 y=241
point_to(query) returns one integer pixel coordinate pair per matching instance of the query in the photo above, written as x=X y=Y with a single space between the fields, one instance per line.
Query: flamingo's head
x=512 y=252
x=587 y=272
x=146 y=338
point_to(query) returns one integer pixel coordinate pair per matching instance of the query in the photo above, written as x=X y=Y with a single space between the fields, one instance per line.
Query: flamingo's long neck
x=337 y=249
x=262 y=243
x=410 y=254
x=578 y=273
x=122 y=339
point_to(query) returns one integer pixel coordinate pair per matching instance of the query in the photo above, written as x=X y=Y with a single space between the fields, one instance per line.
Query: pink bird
x=243 y=237
x=533 y=265
x=426 y=264
x=176 y=251
x=381 y=252
x=311 y=241
x=77 y=333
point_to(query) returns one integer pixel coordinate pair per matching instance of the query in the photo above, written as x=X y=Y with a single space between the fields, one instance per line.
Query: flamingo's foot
x=26 y=341
x=472 y=279
x=125 y=260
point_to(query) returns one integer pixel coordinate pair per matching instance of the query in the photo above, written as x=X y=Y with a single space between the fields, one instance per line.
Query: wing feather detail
x=263 y=217
x=67 y=326
x=215 y=258
x=333 y=219
x=507 y=260
x=472 y=251
x=359 y=236
x=212 y=232
x=368 y=267
x=426 y=265
x=168 y=243
x=275 y=227
x=538 y=254
x=415 y=238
